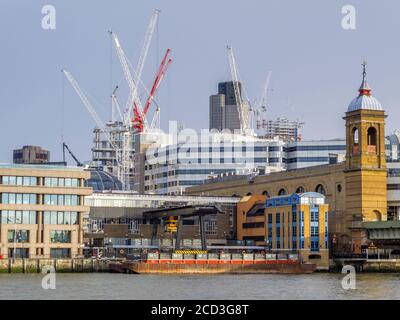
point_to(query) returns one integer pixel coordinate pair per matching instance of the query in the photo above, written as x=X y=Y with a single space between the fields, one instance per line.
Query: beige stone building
x=42 y=210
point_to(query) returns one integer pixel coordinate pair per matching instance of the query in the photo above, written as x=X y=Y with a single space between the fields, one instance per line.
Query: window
x=21 y=236
x=314 y=216
x=251 y=225
x=266 y=193
x=320 y=189
x=61 y=200
x=371 y=133
x=211 y=227
x=282 y=192
x=355 y=136
x=60 y=236
x=60 y=253
x=18 y=198
x=61 y=182
x=300 y=189
x=18 y=217
x=60 y=217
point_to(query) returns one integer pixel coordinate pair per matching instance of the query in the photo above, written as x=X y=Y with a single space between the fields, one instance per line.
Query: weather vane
x=364 y=64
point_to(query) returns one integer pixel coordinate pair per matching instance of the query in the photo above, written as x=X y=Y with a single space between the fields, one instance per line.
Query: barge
x=214 y=264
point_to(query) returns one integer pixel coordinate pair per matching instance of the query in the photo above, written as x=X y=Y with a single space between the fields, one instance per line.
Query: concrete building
x=42 y=209
x=296 y=222
x=355 y=191
x=31 y=155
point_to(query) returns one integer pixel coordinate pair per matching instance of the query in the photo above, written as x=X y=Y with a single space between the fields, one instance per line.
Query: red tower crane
x=139 y=118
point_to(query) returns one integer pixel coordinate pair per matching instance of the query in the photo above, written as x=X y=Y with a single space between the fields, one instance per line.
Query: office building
x=224 y=112
x=172 y=168
x=31 y=155
x=302 y=154
x=42 y=209
x=297 y=222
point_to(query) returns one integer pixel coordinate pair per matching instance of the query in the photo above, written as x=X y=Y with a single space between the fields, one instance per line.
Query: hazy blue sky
x=315 y=63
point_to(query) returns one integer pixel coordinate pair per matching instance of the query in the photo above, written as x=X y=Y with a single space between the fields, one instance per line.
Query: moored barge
x=247 y=263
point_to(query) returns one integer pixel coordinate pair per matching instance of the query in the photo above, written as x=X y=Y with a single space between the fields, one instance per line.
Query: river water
x=160 y=287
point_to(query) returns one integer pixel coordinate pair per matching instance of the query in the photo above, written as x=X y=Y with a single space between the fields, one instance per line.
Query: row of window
x=48 y=199
x=18 y=217
x=60 y=217
x=61 y=182
x=18 y=198
x=19 y=181
x=61 y=200
x=33 y=181
x=60 y=236
x=251 y=225
x=315 y=148
x=22 y=236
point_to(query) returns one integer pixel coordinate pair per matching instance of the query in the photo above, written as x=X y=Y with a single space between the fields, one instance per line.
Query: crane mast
x=243 y=115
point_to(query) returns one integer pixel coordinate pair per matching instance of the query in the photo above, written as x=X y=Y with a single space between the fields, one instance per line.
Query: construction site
x=120 y=144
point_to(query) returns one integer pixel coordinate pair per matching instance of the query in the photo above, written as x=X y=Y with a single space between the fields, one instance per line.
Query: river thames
x=160 y=287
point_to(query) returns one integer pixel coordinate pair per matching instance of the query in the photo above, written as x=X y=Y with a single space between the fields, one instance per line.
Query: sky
x=315 y=63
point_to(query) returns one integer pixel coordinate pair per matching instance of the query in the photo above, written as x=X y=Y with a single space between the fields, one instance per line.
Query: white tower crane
x=244 y=115
x=122 y=173
x=261 y=105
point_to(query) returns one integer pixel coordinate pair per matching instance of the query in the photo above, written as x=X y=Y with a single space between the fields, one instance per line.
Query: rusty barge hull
x=183 y=268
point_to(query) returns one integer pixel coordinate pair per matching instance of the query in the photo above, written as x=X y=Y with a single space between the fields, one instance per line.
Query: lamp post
x=15 y=236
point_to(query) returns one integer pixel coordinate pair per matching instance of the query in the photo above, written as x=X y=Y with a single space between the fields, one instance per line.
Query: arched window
x=371 y=136
x=282 y=192
x=377 y=216
x=300 y=189
x=355 y=136
x=265 y=193
x=320 y=189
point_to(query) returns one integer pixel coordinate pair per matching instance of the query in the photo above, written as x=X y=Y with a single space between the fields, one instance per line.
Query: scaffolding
x=104 y=152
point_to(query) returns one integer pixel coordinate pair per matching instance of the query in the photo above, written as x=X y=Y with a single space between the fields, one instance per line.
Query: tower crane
x=139 y=119
x=121 y=160
x=115 y=106
x=133 y=99
x=242 y=111
x=261 y=105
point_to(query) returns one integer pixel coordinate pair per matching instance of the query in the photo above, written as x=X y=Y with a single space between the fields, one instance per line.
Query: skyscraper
x=224 y=108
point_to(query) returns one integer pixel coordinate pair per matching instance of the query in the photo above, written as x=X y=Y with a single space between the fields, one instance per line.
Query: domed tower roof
x=365 y=100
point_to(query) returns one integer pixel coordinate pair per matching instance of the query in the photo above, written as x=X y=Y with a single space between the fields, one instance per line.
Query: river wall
x=58 y=265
